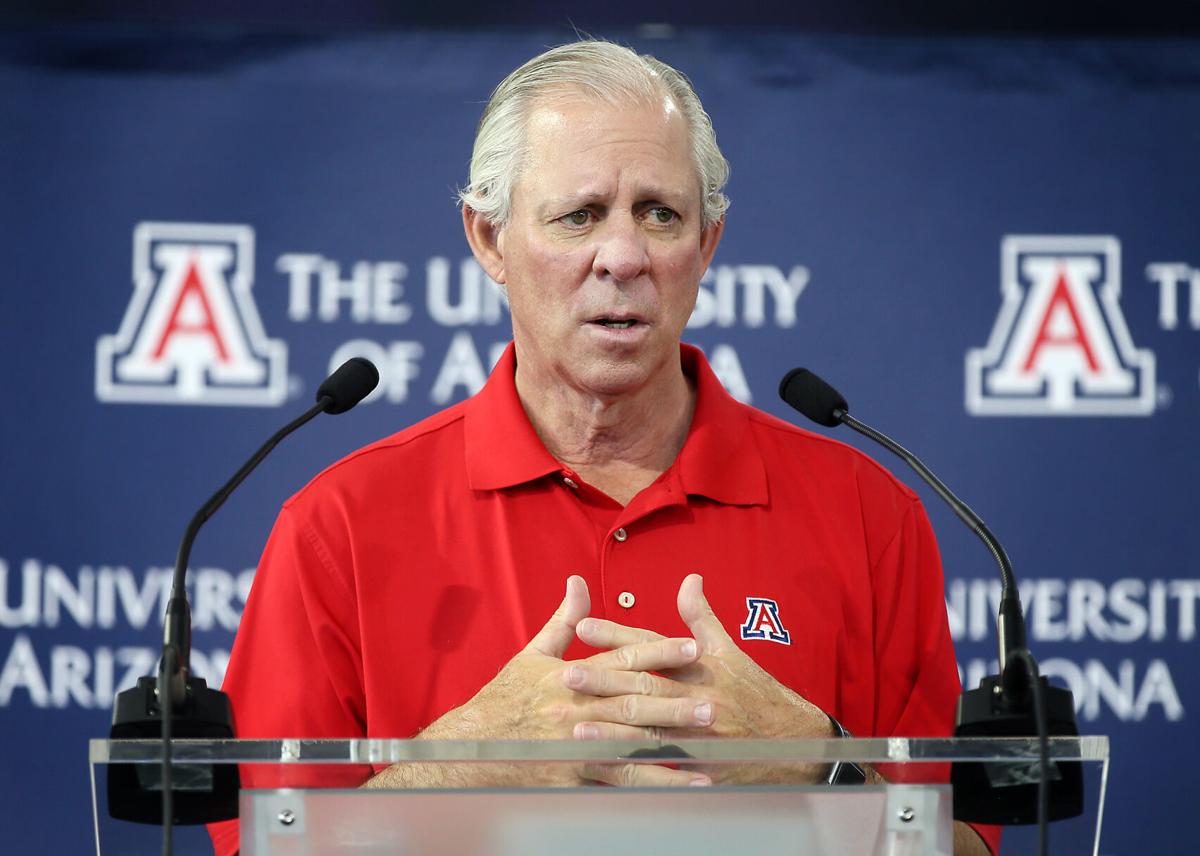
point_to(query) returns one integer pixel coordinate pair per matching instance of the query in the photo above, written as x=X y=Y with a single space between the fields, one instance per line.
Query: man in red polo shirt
x=725 y=573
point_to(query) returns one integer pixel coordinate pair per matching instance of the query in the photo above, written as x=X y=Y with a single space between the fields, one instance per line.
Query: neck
x=617 y=443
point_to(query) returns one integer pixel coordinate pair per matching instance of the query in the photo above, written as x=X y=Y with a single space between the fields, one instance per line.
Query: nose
x=621 y=251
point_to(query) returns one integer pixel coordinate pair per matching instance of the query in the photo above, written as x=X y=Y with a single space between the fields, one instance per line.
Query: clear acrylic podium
x=908 y=816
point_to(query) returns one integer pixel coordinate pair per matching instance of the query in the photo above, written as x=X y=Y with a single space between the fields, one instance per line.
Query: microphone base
x=1006 y=794
x=201 y=793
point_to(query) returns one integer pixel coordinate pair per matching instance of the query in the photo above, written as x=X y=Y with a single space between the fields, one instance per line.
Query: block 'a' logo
x=191 y=333
x=762 y=621
x=1060 y=346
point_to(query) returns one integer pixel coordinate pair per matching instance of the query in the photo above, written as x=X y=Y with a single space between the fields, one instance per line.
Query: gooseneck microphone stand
x=179 y=705
x=1018 y=701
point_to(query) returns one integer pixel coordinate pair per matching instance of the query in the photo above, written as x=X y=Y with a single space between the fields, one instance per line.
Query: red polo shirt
x=401 y=579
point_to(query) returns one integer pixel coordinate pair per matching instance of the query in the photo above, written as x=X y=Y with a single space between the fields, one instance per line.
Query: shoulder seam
x=401 y=438
x=774 y=423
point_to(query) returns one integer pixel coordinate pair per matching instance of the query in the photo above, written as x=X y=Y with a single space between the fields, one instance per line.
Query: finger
x=643 y=776
x=555 y=637
x=601 y=633
x=615 y=731
x=649 y=710
x=615 y=682
x=647 y=656
x=699 y=617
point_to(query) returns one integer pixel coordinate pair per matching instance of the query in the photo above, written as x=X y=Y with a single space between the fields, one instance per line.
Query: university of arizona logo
x=191 y=333
x=1060 y=346
x=762 y=621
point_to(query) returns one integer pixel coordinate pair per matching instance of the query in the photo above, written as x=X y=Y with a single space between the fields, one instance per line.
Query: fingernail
x=700 y=782
x=704 y=713
x=584 y=627
x=689 y=648
x=586 y=731
x=575 y=676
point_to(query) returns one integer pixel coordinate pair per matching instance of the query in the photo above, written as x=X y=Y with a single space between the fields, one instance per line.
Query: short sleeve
x=917 y=673
x=918 y=684
x=296 y=665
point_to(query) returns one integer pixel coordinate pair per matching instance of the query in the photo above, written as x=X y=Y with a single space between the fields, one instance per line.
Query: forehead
x=578 y=143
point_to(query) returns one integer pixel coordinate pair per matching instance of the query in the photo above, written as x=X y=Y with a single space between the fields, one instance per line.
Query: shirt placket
x=627 y=569
x=601 y=512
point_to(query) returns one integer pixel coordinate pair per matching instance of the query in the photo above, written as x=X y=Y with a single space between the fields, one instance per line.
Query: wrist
x=843 y=772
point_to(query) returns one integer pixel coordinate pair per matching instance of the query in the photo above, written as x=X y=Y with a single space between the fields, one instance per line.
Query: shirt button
x=621 y=535
x=626 y=599
x=567 y=481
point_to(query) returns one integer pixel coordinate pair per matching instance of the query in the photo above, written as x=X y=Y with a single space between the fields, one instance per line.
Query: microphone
x=351 y=383
x=814 y=398
x=180 y=703
x=823 y=404
x=1015 y=703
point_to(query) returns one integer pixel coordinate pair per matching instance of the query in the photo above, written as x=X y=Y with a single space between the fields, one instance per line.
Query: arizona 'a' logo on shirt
x=1060 y=346
x=191 y=333
x=762 y=621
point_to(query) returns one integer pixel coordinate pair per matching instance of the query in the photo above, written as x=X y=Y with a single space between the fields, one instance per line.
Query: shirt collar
x=503 y=450
x=719 y=459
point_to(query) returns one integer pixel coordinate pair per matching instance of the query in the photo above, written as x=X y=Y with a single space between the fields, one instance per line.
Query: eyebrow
x=571 y=201
x=574 y=201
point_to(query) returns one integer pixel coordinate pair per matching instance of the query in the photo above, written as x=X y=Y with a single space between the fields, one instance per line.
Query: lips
x=616 y=321
x=615 y=325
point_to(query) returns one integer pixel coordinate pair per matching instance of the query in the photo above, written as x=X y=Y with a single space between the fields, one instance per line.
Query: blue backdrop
x=987 y=245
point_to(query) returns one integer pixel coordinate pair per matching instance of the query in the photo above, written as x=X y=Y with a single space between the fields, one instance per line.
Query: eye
x=662 y=216
x=576 y=218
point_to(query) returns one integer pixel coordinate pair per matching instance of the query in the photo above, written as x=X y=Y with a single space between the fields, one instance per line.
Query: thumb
x=558 y=633
x=699 y=617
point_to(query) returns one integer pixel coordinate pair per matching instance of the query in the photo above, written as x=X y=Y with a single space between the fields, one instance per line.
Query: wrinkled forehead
x=582 y=119
x=570 y=122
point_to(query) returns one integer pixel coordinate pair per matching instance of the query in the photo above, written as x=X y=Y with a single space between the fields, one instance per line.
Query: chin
x=614 y=378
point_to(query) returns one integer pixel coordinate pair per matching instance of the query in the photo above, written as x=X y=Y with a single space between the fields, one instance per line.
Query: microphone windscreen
x=350 y=384
x=816 y=399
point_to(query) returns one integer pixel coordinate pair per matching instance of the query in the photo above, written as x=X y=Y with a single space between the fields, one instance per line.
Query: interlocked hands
x=641 y=686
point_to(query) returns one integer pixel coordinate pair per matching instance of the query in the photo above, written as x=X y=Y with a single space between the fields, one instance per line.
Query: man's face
x=604 y=250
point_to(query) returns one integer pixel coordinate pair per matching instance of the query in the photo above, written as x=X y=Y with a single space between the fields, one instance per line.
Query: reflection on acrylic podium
x=909 y=816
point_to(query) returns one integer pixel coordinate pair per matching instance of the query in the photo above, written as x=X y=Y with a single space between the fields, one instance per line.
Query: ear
x=484 y=239
x=710 y=236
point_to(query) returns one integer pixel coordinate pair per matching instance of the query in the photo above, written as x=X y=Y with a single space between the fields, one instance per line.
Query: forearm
x=453 y=725
x=460 y=723
x=967 y=841
x=436 y=775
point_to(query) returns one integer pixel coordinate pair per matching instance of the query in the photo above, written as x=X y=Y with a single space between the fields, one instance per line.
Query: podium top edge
x=383 y=751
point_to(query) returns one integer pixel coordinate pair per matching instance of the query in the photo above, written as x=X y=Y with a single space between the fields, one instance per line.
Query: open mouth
x=615 y=323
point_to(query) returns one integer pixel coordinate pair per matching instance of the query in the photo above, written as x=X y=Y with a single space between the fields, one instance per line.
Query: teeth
x=620 y=325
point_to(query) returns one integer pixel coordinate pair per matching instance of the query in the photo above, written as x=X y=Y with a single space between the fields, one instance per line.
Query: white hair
x=599 y=69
